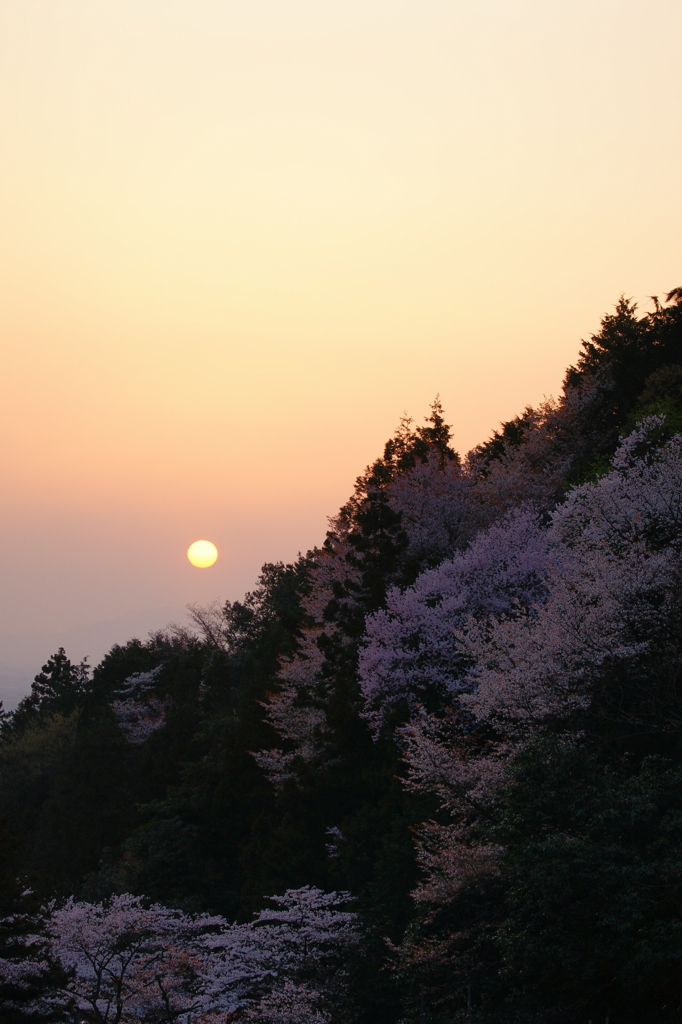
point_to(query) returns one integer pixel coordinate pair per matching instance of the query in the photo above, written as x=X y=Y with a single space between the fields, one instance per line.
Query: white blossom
x=411 y=650
x=292 y=1004
x=127 y=962
x=435 y=503
x=600 y=637
x=138 y=710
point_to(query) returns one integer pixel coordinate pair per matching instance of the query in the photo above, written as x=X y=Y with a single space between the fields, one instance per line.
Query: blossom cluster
x=138 y=709
x=125 y=961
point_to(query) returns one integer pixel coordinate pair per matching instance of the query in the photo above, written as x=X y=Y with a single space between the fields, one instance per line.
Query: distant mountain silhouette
x=23 y=654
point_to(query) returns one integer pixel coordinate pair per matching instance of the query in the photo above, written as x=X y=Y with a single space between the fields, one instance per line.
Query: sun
x=202 y=553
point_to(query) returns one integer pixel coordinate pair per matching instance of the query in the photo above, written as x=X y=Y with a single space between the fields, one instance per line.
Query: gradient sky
x=238 y=240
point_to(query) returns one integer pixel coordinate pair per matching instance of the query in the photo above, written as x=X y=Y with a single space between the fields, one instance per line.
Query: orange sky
x=238 y=240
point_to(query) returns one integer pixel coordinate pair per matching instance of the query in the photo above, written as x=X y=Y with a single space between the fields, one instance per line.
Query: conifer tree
x=58 y=689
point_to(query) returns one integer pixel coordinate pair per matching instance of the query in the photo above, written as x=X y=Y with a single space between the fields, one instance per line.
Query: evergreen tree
x=59 y=688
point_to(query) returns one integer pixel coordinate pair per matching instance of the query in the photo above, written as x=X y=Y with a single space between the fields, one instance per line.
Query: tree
x=577 y=690
x=302 y=940
x=138 y=710
x=411 y=654
x=30 y=978
x=292 y=1004
x=124 y=961
x=60 y=688
x=607 y=636
x=593 y=883
x=128 y=963
x=408 y=510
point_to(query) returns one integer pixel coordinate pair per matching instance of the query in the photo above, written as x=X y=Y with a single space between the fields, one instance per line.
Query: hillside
x=431 y=771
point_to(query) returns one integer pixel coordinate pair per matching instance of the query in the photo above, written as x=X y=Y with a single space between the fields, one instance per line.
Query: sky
x=239 y=240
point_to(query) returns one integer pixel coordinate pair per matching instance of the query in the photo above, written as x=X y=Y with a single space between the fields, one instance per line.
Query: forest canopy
x=431 y=771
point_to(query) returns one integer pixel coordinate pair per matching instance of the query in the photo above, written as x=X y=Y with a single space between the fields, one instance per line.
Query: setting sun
x=202 y=553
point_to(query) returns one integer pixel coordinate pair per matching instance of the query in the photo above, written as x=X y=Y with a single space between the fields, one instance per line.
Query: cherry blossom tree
x=128 y=962
x=434 y=500
x=526 y=625
x=532 y=458
x=411 y=654
x=292 y=1004
x=138 y=709
x=301 y=939
x=123 y=961
x=601 y=641
x=609 y=623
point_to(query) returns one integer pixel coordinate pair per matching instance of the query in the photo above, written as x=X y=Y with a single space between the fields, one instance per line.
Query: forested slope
x=431 y=771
